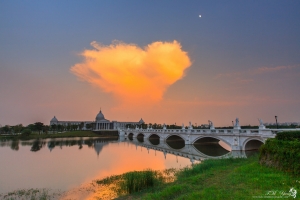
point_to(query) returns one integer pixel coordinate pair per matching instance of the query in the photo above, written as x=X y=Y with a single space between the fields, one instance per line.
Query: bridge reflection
x=193 y=152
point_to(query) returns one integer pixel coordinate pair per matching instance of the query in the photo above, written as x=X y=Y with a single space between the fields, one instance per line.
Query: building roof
x=141 y=121
x=100 y=117
x=54 y=119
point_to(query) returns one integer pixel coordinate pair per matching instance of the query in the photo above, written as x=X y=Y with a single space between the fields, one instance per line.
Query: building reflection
x=196 y=152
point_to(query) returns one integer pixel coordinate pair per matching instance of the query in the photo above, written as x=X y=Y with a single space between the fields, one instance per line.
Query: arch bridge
x=236 y=139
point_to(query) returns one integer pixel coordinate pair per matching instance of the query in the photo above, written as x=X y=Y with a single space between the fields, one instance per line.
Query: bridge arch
x=210 y=146
x=154 y=139
x=175 y=141
x=212 y=136
x=253 y=143
x=130 y=136
x=175 y=135
x=140 y=137
x=154 y=134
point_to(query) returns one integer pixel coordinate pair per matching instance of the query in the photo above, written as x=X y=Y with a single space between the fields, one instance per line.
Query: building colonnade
x=103 y=126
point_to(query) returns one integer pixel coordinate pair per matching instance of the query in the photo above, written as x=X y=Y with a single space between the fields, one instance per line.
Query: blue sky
x=229 y=47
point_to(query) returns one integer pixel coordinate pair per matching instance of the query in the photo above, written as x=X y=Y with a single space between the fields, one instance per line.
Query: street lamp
x=276 y=121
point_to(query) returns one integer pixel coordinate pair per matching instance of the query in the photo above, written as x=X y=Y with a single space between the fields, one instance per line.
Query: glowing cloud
x=133 y=74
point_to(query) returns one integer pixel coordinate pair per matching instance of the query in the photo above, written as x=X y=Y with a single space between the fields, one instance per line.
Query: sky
x=156 y=60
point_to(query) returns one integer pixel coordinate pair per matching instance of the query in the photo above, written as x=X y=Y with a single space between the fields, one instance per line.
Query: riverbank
x=231 y=178
x=223 y=179
x=66 y=134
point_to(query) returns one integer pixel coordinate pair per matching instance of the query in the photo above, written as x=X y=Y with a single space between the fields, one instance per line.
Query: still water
x=66 y=163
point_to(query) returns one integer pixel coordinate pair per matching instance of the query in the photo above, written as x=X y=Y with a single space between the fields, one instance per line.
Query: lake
x=65 y=163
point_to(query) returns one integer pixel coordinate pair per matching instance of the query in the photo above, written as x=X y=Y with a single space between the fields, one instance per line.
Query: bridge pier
x=121 y=132
x=236 y=148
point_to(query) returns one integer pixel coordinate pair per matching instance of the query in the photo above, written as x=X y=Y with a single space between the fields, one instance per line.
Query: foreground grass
x=223 y=179
x=30 y=194
x=55 y=135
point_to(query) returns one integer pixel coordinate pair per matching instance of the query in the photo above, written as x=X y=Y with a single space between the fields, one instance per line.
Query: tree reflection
x=37 y=145
x=15 y=145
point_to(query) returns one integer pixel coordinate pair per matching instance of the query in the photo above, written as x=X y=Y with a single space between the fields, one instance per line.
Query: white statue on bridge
x=211 y=125
x=164 y=127
x=261 y=124
x=237 y=124
x=190 y=126
x=182 y=126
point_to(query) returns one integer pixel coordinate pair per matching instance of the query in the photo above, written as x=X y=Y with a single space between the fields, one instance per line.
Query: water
x=66 y=163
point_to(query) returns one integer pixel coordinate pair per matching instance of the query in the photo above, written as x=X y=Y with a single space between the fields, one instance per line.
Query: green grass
x=30 y=194
x=55 y=135
x=136 y=181
x=222 y=179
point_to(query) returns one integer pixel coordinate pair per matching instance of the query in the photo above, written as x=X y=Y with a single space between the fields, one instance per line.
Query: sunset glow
x=133 y=74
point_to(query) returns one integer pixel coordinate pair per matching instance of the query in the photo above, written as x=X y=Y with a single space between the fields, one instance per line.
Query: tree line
x=41 y=128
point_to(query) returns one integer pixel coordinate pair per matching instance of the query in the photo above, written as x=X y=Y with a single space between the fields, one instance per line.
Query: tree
x=6 y=129
x=39 y=126
x=31 y=127
x=46 y=128
x=81 y=125
x=54 y=127
x=68 y=127
x=26 y=132
x=18 y=128
x=60 y=127
x=88 y=126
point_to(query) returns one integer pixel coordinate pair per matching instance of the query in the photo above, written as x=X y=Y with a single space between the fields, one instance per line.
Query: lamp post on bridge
x=276 y=121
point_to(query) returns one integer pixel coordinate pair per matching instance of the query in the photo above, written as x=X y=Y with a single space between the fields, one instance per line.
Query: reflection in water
x=75 y=164
x=154 y=139
x=210 y=146
x=130 y=136
x=140 y=137
x=175 y=142
x=15 y=145
x=37 y=145
x=67 y=162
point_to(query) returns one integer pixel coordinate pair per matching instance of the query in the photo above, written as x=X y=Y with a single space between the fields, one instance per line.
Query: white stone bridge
x=237 y=139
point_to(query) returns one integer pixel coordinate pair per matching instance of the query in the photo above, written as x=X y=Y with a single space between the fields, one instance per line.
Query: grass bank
x=54 y=135
x=221 y=179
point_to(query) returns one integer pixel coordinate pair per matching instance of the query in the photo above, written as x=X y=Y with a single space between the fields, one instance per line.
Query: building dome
x=54 y=119
x=100 y=116
x=141 y=121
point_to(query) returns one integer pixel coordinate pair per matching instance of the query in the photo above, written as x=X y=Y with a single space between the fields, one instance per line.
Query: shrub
x=26 y=132
x=289 y=135
x=281 y=154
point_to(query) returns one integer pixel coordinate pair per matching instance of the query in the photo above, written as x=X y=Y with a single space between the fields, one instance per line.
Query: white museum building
x=100 y=123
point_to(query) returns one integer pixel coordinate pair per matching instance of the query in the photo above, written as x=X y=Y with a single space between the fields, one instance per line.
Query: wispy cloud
x=263 y=70
x=251 y=72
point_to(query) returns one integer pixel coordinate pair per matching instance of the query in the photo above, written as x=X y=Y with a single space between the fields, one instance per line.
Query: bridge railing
x=211 y=131
x=203 y=131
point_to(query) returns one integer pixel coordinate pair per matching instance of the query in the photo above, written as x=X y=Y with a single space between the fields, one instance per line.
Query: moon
x=200 y=16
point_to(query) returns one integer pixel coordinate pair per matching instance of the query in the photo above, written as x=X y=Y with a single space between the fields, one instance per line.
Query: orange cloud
x=133 y=74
